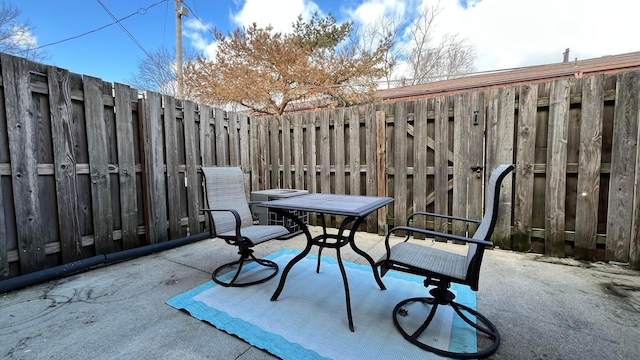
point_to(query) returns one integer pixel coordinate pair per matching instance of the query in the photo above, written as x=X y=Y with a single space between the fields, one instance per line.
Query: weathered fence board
x=354 y=151
x=156 y=196
x=525 y=160
x=441 y=164
x=475 y=190
x=172 y=173
x=65 y=164
x=286 y=152
x=371 y=162
x=325 y=158
x=588 y=189
x=126 y=166
x=420 y=145
x=310 y=121
x=623 y=171
x=298 y=153
x=461 y=171
x=274 y=158
x=98 y=165
x=21 y=131
x=193 y=183
x=556 y=169
x=381 y=168
x=221 y=137
x=400 y=163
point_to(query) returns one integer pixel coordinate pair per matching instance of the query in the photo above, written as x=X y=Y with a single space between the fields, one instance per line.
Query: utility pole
x=180 y=11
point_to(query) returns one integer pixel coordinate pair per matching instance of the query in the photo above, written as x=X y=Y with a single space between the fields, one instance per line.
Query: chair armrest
x=439 y=234
x=441 y=216
x=235 y=215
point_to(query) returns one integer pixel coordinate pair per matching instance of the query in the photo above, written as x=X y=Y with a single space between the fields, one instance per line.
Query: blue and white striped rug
x=309 y=320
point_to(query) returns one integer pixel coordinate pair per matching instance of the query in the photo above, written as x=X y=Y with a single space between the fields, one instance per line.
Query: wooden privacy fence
x=89 y=167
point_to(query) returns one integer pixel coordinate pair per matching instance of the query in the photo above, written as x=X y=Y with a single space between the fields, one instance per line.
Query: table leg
x=346 y=290
x=298 y=257
x=363 y=253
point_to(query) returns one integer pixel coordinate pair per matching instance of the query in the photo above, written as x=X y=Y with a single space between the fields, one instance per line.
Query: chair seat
x=429 y=259
x=258 y=233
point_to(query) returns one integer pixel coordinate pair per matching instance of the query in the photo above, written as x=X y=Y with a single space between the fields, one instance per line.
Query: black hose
x=84 y=264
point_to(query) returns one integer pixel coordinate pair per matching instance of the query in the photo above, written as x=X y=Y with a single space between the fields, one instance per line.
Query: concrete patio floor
x=544 y=308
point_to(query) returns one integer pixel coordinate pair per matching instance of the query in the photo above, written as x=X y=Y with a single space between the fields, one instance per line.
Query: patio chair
x=230 y=219
x=441 y=268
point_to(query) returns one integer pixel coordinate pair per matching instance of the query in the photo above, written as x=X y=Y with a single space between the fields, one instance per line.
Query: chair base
x=445 y=297
x=246 y=257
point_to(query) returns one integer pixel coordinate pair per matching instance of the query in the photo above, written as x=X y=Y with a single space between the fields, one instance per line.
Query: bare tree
x=17 y=37
x=382 y=34
x=158 y=71
x=430 y=59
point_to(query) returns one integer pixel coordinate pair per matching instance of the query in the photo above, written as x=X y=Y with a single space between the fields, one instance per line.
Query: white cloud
x=370 y=10
x=280 y=15
x=200 y=36
x=512 y=33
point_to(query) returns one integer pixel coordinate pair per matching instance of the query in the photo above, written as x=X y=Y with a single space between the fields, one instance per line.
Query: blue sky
x=506 y=33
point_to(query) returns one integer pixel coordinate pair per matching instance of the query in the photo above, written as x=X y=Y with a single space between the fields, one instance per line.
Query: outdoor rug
x=309 y=319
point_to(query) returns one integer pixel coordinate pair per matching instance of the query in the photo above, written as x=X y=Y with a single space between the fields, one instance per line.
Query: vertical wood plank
x=4 y=257
x=220 y=128
x=339 y=150
x=274 y=147
x=525 y=160
x=476 y=158
x=206 y=136
x=310 y=121
x=590 y=156
x=126 y=167
x=263 y=143
x=234 y=140
x=255 y=154
x=22 y=133
x=325 y=158
x=420 y=149
x=381 y=167
x=441 y=177
x=339 y=154
x=555 y=192
x=461 y=170
x=64 y=164
x=354 y=151
x=244 y=140
x=400 y=148
x=504 y=155
x=371 y=160
x=174 y=181
x=623 y=159
x=156 y=203
x=634 y=246
x=193 y=186
x=98 y=165
x=286 y=151
x=298 y=153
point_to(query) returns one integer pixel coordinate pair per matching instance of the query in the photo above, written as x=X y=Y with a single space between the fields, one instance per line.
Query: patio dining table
x=353 y=207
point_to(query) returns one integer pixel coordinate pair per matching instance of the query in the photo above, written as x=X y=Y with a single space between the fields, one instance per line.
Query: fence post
x=381 y=167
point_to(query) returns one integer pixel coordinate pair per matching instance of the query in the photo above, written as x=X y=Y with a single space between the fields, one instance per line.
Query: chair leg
x=246 y=256
x=481 y=324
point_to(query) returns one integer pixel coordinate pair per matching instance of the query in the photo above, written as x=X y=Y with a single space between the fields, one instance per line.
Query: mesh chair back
x=488 y=224
x=224 y=188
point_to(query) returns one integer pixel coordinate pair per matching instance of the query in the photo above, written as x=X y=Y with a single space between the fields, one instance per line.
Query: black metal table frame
x=321 y=241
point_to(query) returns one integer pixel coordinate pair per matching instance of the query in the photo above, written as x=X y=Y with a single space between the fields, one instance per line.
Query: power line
x=197 y=18
x=123 y=28
x=141 y=11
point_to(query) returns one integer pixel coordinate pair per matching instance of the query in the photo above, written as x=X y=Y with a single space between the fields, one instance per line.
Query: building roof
x=576 y=68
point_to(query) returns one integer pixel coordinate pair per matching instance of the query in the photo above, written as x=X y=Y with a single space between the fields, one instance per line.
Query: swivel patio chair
x=230 y=219
x=441 y=268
